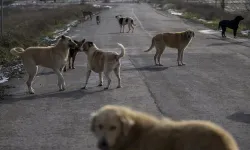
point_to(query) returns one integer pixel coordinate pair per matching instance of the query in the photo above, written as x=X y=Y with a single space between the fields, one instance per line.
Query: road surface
x=214 y=85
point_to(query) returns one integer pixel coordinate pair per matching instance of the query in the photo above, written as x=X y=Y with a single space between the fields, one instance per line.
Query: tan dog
x=121 y=128
x=54 y=57
x=100 y=61
x=178 y=40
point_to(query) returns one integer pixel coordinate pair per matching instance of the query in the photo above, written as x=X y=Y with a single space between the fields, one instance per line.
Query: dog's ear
x=127 y=124
x=83 y=40
x=90 y=44
x=63 y=37
x=92 y=121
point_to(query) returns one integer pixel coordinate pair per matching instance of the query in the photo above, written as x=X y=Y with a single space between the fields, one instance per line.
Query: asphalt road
x=214 y=85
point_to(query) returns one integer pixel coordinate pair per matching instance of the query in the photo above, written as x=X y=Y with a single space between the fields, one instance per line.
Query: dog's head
x=118 y=16
x=239 y=18
x=189 y=34
x=79 y=45
x=109 y=124
x=67 y=41
x=87 y=45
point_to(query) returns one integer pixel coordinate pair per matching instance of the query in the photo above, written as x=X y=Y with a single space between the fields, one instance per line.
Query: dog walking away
x=54 y=57
x=232 y=24
x=72 y=54
x=87 y=13
x=122 y=128
x=125 y=21
x=98 y=19
x=178 y=40
x=102 y=62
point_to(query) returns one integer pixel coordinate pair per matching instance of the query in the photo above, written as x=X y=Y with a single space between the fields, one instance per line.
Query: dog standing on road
x=125 y=21
x=178 y=40
x=122 y=128
x=54 y=57
x=72 y=54
x=232 y=24
x=100 y=61
x=98 y=19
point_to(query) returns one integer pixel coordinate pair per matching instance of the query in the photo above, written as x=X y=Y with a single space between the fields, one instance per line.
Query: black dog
x=232 y=24
x=98 y=19
x=72 y=54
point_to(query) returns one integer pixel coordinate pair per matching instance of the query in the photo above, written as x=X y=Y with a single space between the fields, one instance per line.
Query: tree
x=223 y=4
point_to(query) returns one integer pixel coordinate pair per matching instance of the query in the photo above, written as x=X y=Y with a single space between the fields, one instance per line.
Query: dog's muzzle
x=103 y=144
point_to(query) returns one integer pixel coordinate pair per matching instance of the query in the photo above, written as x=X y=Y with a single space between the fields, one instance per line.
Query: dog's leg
x=178 y=57
x=32 y=71
x=87 y=79
x=159 y=56
x=73 y=61
x=117 y=73
x=224 y=29
x=129 y=28
x=64 y=68
x=61 y=83
x=132 y=28
x=108 y=78
x=235 y=32
x=100 y=79
x=182 y=51
x=155 y=56
x=69 y=62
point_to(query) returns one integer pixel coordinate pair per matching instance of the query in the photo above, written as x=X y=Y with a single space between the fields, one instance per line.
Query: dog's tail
x=122 y=52
x=152 y=45
x=17 y=51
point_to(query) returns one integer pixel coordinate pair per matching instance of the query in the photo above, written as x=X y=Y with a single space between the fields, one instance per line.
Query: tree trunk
x=223 y=4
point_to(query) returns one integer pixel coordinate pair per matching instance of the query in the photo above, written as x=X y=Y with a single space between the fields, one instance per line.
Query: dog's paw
x=73 y=68
x=31 y=92
x=83 y=88
x=119 y=86
x=106 y=88
x=63 y=89
x=100 y=84
x=160 y=65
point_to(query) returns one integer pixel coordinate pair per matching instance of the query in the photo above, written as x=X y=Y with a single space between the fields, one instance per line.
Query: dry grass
x=25 y=26
x=207 y=12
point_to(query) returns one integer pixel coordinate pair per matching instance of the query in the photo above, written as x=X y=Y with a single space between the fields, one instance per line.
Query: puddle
x=208 y=31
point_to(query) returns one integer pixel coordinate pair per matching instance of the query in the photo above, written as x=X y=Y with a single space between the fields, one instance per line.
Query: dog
x=125 y=21
x=100 y=61
x=98 y=19
x=72 y=54
x=122 y=128
x=54 y=57
x=178 y=40
x=232 y=24
x=87 y=13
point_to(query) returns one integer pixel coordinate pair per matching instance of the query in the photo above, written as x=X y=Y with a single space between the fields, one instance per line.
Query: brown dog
x=178 y=40
x=72 y=54
x=121 y=128
x=103 y=62
x=54 y=57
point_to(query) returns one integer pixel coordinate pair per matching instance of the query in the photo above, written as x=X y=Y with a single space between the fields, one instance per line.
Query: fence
x=228 y=5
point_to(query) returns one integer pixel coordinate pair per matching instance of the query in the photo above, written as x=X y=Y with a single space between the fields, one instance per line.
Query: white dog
x=125 y=21
x=54 y=57
x=100 y=61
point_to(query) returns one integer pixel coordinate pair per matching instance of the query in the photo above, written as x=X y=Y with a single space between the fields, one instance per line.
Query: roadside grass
x=25 y=26
x=207 y=14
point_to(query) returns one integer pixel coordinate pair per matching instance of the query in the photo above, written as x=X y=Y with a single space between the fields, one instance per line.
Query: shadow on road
x=240 y=117
x=223 y=44
x=147 y=68
x=75 y=94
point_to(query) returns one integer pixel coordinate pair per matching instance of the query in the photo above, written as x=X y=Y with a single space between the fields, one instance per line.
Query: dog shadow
x=223 y=44
x=148 y=68
x=45 y=73
x=240 y=117
x=74 y=95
